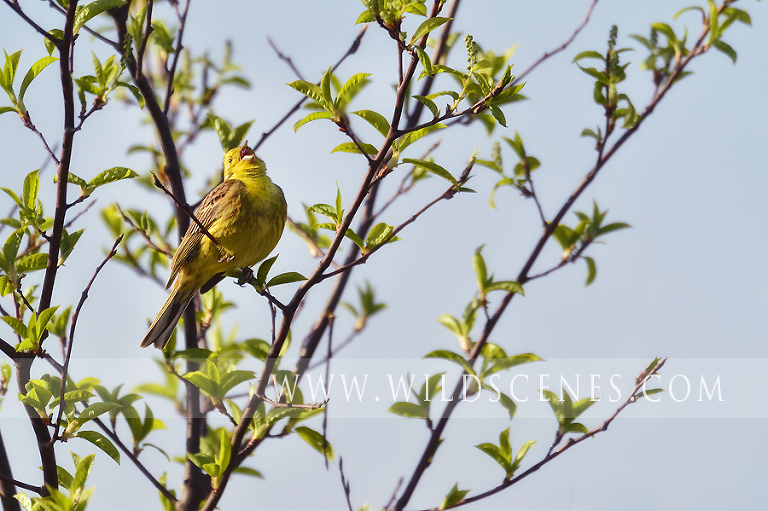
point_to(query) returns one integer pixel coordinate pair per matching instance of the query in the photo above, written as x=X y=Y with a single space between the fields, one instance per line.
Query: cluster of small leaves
x=617 y=105
x=502 y=453
x=106 y=78
x=485 y=284
x=260 y=281
x=487 y=84
x=229 y=137
x=330 y=107
x=214 y=463
x=218 y=377
x=7 y=77
x=493 y=359
x=77 y=495
x=520 y=176
x=379 y=234
x=43 y=395
x=368 y=306
x=140 y=427
x=566 y=411
x=31 y=223
x=421 y=408
x=139 y=224
x=575 y=241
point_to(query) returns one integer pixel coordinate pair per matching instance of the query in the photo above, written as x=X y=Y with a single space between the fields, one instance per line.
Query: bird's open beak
x=246 y=153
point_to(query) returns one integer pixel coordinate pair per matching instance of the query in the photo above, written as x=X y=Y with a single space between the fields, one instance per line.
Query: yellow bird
x=245 y=214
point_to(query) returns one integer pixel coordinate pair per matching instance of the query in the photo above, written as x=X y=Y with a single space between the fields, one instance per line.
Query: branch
x=552 y=454
x=40 y=30
x=352 y=49
x=116 y=440
x=560 y=48
x=8 y=484
x=523 y=277
x=448 y=194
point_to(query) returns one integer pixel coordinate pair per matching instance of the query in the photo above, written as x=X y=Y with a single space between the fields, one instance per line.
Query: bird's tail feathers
x=164 y=324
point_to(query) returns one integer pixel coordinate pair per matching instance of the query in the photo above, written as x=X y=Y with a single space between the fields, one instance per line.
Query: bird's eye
x=230 y=160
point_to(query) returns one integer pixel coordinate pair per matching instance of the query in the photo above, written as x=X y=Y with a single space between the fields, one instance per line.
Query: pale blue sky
x=687 y=281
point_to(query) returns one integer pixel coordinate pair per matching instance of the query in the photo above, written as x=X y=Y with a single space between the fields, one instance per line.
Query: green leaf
x=588 y=55
x=82 y=470
x=351 y=147
x=84 y=13
x=453 y=357
x=433 y=168
x=35 y=70
x=111 y=175
x=324 y=209
x=286 y=278
x=498 y=115
x=451 y=324
x=32 y=262
x=408 y=410
x=429 y=104
x=725 y=48
x=96 y=409
x=101 y=442
x=30 y=190
x=375 y=119
x=310 y=90
x=18 y=326
x=71 y=178
x=413 y=136
x=426 y=27
x=378 y=234
x=591 y=269
x=454 y=497
x=316 y=441
x=508 y=404
x=350 y=86
x=495 y=453
x=234 y=378
x=202 y=382
x=311 y=117
x=509 y=286
x=352 y=235
x=225 y=450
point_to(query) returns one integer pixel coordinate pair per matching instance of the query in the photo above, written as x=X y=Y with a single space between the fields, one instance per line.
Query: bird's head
x=241 y=159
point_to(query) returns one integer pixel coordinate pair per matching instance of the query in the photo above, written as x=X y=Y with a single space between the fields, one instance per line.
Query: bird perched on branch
x=245 y=215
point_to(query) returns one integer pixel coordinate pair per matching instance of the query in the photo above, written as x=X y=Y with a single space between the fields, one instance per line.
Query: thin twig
x=145 y=35
x=30 y=487
x=17 y=8
x=172 y=73
x=560 y=48
x=128 y=452
x=75 y=316
x=285 y=58
x=143 y=234
x=352 y=49
x=448 y=194
x=345 y=484
x=279 y=404
x=191 y=214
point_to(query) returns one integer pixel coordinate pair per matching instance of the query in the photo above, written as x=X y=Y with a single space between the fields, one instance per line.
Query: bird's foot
x=246 y=274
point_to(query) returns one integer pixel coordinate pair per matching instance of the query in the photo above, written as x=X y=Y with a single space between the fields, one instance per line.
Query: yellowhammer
x=245 y=214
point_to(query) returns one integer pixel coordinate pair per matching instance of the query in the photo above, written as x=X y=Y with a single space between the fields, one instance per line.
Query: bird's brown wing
x=224 y=196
